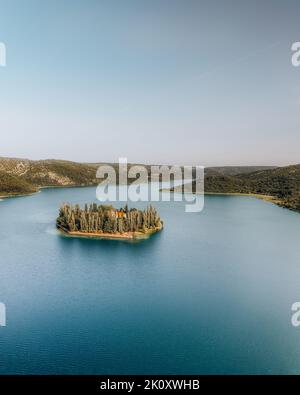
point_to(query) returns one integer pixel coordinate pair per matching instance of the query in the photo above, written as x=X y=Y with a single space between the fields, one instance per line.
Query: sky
x=157 y=81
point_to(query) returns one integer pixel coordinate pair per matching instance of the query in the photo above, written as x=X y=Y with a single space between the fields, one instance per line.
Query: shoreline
x=256 y=195
x=39 y=190
x=15 y=195
x=266 y=198
x=114 y=236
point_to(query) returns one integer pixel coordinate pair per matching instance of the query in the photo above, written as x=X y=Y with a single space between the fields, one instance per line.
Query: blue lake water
x=212 y=293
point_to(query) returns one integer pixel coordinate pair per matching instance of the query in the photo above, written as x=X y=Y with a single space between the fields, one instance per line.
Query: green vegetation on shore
x=23 y=176
x=12 y=185
x=104 y=220
x=281 y=183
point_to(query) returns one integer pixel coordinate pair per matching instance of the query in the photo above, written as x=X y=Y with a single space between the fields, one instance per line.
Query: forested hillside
x=22 y=176
x=283 y=183
x=26 y=175
x=13 y=185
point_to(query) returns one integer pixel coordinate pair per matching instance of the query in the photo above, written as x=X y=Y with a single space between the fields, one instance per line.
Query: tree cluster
x=107 y=219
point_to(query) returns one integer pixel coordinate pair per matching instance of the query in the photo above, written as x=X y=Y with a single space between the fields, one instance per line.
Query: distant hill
x=283 y=183
x=216 y=182
x=49 y=172
x=27 y=175
x=236 y=170
x=23 y=176
x=14 y=185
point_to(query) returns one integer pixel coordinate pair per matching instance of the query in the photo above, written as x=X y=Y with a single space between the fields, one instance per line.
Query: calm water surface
x=212 y=293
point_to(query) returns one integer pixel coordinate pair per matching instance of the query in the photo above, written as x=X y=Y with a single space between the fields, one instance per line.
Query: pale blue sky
x=158 y=81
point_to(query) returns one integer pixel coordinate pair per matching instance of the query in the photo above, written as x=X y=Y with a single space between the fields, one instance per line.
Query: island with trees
x=106 y=221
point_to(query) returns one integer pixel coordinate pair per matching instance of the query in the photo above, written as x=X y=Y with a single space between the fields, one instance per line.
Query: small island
x=106 y=221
